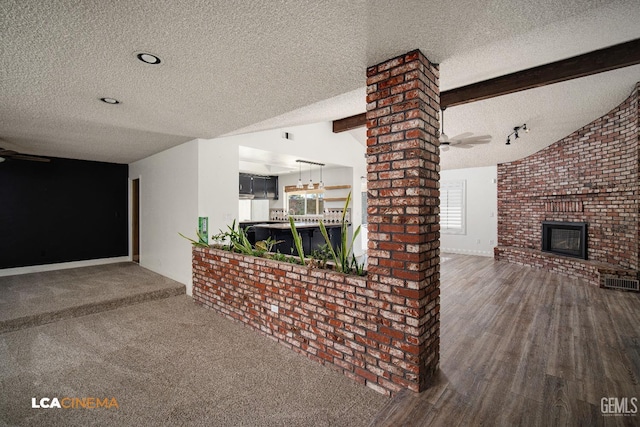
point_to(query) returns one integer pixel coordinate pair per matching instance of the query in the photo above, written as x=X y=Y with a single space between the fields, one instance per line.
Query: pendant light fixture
x=299 y=185
x=310 y=186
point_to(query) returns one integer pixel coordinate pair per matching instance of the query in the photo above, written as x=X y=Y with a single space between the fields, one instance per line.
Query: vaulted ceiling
x=235 y=67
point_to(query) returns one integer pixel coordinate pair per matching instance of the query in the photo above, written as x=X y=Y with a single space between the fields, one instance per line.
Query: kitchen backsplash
x=330 y=216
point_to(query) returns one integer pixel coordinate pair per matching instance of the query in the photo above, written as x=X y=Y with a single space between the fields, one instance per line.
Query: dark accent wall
x=65 y=210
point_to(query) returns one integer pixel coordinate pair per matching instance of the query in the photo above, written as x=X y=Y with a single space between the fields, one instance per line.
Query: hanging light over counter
x=311 y=185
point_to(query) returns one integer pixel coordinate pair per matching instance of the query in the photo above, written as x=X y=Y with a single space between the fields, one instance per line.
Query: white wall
x=481 y=213
x=218 y=181
x=168 y=205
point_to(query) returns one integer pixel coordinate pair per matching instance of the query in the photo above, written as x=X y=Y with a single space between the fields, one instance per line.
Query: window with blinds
x=452 y=207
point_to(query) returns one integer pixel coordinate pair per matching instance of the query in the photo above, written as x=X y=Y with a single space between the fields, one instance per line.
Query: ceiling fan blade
x=29 y=158
x=476 y=142
x=478 y=138
x=7 y=153
x=461 y=136
x=472 y=140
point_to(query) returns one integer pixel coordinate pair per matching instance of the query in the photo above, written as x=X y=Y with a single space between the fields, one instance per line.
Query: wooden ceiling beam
x=348 y=123
x=598 y=61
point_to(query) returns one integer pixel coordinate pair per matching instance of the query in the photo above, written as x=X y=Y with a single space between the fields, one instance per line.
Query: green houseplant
x=343 y=257
x=235 y=239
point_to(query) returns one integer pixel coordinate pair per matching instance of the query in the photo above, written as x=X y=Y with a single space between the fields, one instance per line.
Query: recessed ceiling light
x=148 y=58
x=111 y=101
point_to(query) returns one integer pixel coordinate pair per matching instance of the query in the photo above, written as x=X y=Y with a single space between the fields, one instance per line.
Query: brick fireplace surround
x=382 y=330
x=589 y=176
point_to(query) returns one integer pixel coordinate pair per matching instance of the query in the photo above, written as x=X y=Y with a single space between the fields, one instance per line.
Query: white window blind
x=452 y=207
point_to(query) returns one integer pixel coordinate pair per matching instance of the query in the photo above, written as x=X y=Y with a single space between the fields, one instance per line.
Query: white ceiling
x=235 y=67
x=262 y=162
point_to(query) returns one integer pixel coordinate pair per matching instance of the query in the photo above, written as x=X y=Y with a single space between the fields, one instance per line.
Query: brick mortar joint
x=226 y=306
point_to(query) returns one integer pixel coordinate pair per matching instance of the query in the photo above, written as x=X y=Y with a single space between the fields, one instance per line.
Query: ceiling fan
x=14 y=155
x=464 y=140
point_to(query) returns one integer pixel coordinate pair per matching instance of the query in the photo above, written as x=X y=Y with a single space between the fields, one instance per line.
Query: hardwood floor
x=522 y=346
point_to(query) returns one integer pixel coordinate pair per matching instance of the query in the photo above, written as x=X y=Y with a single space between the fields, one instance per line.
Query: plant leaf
x=297 y=240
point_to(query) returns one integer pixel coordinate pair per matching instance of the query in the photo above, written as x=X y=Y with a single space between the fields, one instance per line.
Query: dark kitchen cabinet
x=245 y=184
x=259 y=186
x=272 y=187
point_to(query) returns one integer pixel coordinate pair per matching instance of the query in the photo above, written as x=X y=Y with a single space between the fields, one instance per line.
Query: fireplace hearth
x=565 y=238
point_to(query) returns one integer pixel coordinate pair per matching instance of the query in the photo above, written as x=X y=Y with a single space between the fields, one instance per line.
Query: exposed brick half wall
x=589 y=176
x=335 y=319
x=383 y=330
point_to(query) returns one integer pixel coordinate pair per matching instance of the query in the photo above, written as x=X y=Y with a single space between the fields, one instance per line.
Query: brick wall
x=589 y=176
x=403 y=103
x=342 y=321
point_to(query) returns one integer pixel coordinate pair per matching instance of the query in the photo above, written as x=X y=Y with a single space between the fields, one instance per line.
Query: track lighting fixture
x=516 y=133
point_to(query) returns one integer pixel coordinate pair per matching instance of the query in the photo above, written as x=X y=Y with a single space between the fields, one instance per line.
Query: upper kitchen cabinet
x=272 y=187
x=258 y=186
x=245 y=184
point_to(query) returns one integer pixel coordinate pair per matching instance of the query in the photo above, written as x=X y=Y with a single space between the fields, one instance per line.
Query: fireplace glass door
x=565 y=238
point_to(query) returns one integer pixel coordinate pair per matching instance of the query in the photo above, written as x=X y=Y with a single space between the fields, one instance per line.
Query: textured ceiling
x=234 y=67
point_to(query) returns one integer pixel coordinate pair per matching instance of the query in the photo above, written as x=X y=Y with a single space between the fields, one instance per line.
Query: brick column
x=403 y=103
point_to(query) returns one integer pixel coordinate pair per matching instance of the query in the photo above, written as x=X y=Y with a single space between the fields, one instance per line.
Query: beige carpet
x=38 y=298
x=171 y=362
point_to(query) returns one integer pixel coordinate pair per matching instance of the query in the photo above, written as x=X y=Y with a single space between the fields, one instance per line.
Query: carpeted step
x=29 y=321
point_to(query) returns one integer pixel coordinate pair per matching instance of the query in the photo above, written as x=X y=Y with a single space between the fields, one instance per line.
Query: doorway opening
x=135 y=220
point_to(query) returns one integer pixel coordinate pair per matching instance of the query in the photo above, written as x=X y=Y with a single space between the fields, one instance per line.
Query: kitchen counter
x=312 y=238
x=287 y=226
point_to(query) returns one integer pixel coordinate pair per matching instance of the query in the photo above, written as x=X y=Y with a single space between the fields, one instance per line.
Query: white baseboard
x=467 y=252
x=61 y=266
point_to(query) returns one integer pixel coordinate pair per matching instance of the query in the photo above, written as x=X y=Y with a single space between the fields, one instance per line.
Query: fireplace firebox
x=565 y=238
